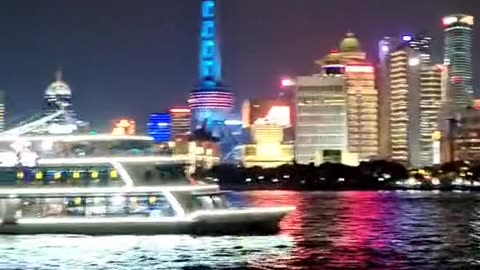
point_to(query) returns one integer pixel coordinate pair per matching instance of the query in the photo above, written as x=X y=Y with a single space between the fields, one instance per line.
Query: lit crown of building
x=58 y=87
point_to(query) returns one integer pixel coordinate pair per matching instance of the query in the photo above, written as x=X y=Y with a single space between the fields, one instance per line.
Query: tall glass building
x=458 y=58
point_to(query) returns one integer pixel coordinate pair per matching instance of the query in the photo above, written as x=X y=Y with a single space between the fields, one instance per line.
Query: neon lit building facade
x=211 y=101
x=458 y=58
x=181 y=118
x=160 y=127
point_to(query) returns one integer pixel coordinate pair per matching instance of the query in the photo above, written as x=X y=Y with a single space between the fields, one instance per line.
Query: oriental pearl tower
x=210 y=101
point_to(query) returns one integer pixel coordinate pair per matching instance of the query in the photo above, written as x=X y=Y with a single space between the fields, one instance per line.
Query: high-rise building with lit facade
x=421 y=43
x=430 y=105
x=458 y=58
x=414 y=106
x=362 y=111
x=321 y=119
x=211 y=101
x=404 y=105
x=277 y=110
x=3 y=101
x=159 y=126
x=181 y=118
x=385 y=46
x=362 y=97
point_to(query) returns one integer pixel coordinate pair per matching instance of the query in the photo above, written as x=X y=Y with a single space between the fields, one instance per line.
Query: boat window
x=108 y=206
x=145 y=174
x=209 y=202
x=87 y=175
x=51 y=149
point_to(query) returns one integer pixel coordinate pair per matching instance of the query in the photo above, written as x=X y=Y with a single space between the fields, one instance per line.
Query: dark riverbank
x=372 y=175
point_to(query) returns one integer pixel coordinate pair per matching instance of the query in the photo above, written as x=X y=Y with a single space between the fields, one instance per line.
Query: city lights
x=124 y=127
x=287 y=82
x=414 y=61
x=449 y=20
x=359 y=69
x=180 y=110
x=406 y=38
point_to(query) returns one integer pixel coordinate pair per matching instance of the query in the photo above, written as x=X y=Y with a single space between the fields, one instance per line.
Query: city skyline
x=154 y=54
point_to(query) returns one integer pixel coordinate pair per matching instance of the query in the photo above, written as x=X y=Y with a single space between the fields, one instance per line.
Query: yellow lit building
x=362 y=111
x=124 y=127
x=350 y=63
x=268 y=149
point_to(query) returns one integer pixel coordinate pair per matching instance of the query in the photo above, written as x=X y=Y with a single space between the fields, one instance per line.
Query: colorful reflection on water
x=329 y=230
x=380 y=230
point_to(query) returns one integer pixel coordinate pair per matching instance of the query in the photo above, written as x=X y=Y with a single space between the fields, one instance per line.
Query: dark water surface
x=329 y=230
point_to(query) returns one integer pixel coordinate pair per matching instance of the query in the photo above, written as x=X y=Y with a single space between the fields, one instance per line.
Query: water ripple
x=329 y=230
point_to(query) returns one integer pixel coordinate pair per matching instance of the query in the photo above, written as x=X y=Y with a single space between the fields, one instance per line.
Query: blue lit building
x=160 y=127
x=210 y=101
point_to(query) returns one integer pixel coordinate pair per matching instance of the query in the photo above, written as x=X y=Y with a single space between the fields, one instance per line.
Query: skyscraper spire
x=210 y=102
x=59 y=74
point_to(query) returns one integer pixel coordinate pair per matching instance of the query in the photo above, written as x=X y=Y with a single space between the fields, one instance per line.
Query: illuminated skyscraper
x=414 y=106
x=362 y=98
x=458 y=58
x=421 y=43
x=211 y=101
x=430 y=105
x=404 y=105
x=2 y=110
x=385 y=47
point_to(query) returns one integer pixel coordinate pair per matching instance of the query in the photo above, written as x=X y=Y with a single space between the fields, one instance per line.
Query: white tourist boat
x=102 y=184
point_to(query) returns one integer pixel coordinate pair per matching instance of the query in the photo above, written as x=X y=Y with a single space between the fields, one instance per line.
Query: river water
x=329 y=230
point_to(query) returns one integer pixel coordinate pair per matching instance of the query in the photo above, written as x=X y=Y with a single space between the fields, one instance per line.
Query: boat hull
x=226 y=223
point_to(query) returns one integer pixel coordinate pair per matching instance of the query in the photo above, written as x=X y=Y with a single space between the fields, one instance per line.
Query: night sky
x=127 y=58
